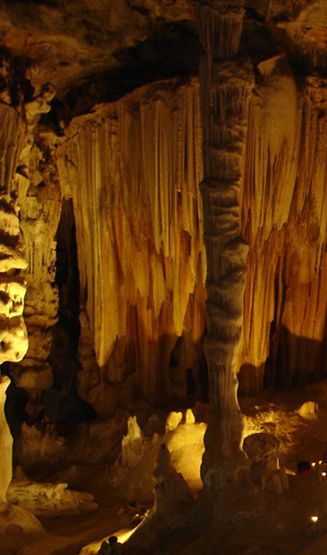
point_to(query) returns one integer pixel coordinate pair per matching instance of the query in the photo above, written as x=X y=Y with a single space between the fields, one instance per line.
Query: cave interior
x=163 y=268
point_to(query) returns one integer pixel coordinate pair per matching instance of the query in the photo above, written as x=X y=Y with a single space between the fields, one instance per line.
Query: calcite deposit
x=163 y=225
x=133 y=169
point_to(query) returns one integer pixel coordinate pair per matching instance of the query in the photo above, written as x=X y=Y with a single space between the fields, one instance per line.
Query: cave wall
x=133 y=169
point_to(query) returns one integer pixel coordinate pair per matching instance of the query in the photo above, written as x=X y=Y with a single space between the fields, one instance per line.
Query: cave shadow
x=62 y=404
x=158 y=374
x=293 y=361
x=172 y=50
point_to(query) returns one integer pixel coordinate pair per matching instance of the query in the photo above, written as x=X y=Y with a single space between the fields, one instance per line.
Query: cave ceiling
x=100 y=49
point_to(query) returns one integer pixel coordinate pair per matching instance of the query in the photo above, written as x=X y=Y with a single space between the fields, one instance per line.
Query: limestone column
x=226 y=82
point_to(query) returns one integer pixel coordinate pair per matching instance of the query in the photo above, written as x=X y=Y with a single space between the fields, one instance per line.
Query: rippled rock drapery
x=134 y=167
x=226 y=85
x=284 y=207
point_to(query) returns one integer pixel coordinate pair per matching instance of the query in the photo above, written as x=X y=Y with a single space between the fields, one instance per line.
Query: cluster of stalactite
x=284 y=208
x=226 y=84
x=134 y=167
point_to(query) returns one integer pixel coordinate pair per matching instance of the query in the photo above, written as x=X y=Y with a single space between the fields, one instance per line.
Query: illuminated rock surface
x=144 y=310
x=133 y=232
x=134 y=168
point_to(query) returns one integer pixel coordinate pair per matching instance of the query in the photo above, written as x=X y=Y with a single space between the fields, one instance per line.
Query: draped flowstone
x=133 y=168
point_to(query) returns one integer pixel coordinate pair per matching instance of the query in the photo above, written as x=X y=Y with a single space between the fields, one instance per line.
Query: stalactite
x=225 y=92
x=134 y=169
x=284 y=205
x=12 y=134
x=272 y=152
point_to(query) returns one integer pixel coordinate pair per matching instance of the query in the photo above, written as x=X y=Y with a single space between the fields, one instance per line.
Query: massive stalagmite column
x=226 y=83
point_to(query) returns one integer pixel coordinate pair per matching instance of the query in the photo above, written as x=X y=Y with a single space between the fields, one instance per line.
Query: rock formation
x=166 y=165
x=140 y=326
x=14 y=342
x=133 y=169
x=225 y=90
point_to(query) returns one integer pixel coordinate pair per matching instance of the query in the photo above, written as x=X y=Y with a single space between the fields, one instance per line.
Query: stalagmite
x=132 y=444
x=171 y=492
x=173 y=420
x=226 y=84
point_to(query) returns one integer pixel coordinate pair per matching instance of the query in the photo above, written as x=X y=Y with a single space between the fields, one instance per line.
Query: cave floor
x=259 y=523
x=289 y=513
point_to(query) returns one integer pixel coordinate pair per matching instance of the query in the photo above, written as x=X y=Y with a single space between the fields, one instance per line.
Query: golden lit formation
x=163 y=231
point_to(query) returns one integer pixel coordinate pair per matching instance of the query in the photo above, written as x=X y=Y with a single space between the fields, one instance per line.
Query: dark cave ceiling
x=100 y=49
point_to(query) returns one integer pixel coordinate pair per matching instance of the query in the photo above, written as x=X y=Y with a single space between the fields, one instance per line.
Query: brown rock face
x=72 y=40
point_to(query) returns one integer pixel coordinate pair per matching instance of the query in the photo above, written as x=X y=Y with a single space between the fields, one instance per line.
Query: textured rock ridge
x=35 y=188
x=13 y=337
x=39 y=196
x=225 y=90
